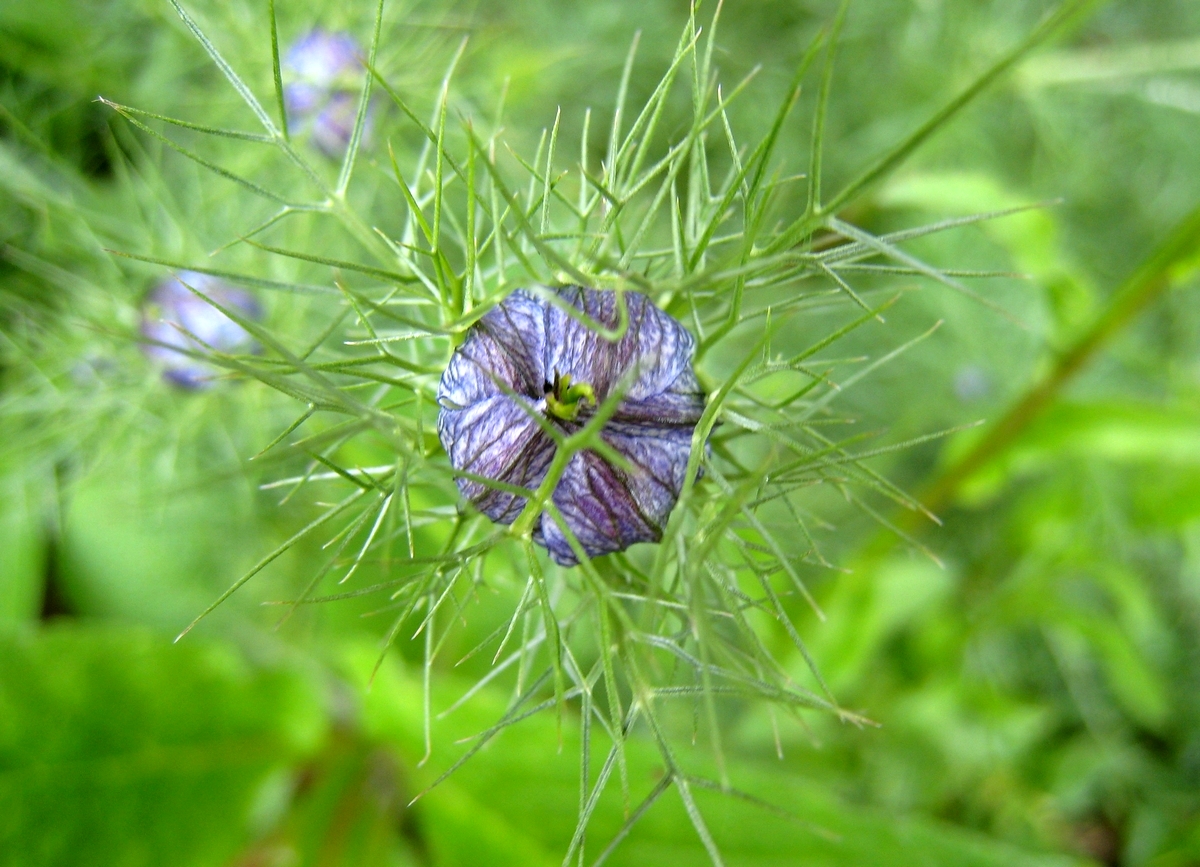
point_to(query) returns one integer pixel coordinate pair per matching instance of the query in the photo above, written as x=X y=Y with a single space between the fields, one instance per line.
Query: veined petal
x=680 y=405
x=655 y=347
x=596 y=504
x=658 y=459
x=502 y=352
x=497 y=439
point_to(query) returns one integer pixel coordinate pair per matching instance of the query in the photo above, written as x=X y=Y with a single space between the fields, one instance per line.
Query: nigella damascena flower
x=172 y=316
x=528 y=359
x=324 y=74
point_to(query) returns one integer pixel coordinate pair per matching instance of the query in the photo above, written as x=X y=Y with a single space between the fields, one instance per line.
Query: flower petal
x=654 y=345
x=319 y=57
x=658 y=458
x=503 y=351
x=596 y=505
x=496 y=438
x=172 y=316
x=681 y=404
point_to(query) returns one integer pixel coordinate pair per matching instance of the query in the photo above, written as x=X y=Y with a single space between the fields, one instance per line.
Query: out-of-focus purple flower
x=527 y=357
x=972 y=383
x=324 y=76
x=171 y=306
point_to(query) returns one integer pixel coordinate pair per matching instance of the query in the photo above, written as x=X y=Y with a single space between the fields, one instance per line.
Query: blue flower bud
x=527 y=357
x=324 y=77
x=171 y=309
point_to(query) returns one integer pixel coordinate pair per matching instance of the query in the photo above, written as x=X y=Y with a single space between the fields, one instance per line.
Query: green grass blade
x=276 y=72
x=328 y=514
x=360 y=117
x=818 y=134
x=240 y=86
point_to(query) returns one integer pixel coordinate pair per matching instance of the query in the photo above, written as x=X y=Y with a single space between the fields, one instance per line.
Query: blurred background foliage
x=1037 y=685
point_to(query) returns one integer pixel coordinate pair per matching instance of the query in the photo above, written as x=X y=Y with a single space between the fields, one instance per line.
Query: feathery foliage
x=380 y=264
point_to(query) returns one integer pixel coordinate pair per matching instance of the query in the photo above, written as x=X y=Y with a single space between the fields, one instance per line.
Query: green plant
x=716 y=232
x=375 y=268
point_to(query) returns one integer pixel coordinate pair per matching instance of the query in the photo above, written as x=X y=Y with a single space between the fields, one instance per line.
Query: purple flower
x=972 y=383
x=170 y=306
x=324 y=74
x=528 y=357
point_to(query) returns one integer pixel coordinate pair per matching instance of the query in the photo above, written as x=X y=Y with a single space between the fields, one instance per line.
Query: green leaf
x=1116 y=433
x=22 y=555
x=508 y=804
x=134 y=548
x=118 y=749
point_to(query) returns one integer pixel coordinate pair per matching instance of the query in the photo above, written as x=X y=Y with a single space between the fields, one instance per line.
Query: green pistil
x=564 y=399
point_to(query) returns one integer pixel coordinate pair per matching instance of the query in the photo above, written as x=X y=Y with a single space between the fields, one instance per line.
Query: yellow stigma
x=563 y=399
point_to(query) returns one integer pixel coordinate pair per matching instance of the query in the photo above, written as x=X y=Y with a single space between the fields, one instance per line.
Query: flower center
x=563 y=398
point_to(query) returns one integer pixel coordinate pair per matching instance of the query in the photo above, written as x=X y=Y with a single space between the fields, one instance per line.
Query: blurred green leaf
x=865 y=610
x=152 y=550
x=22 y=555
x=117 y=748
x=1030 y=237
x=515 y=801
x=348 y=810
x=79 y=46
x=1118 y=432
